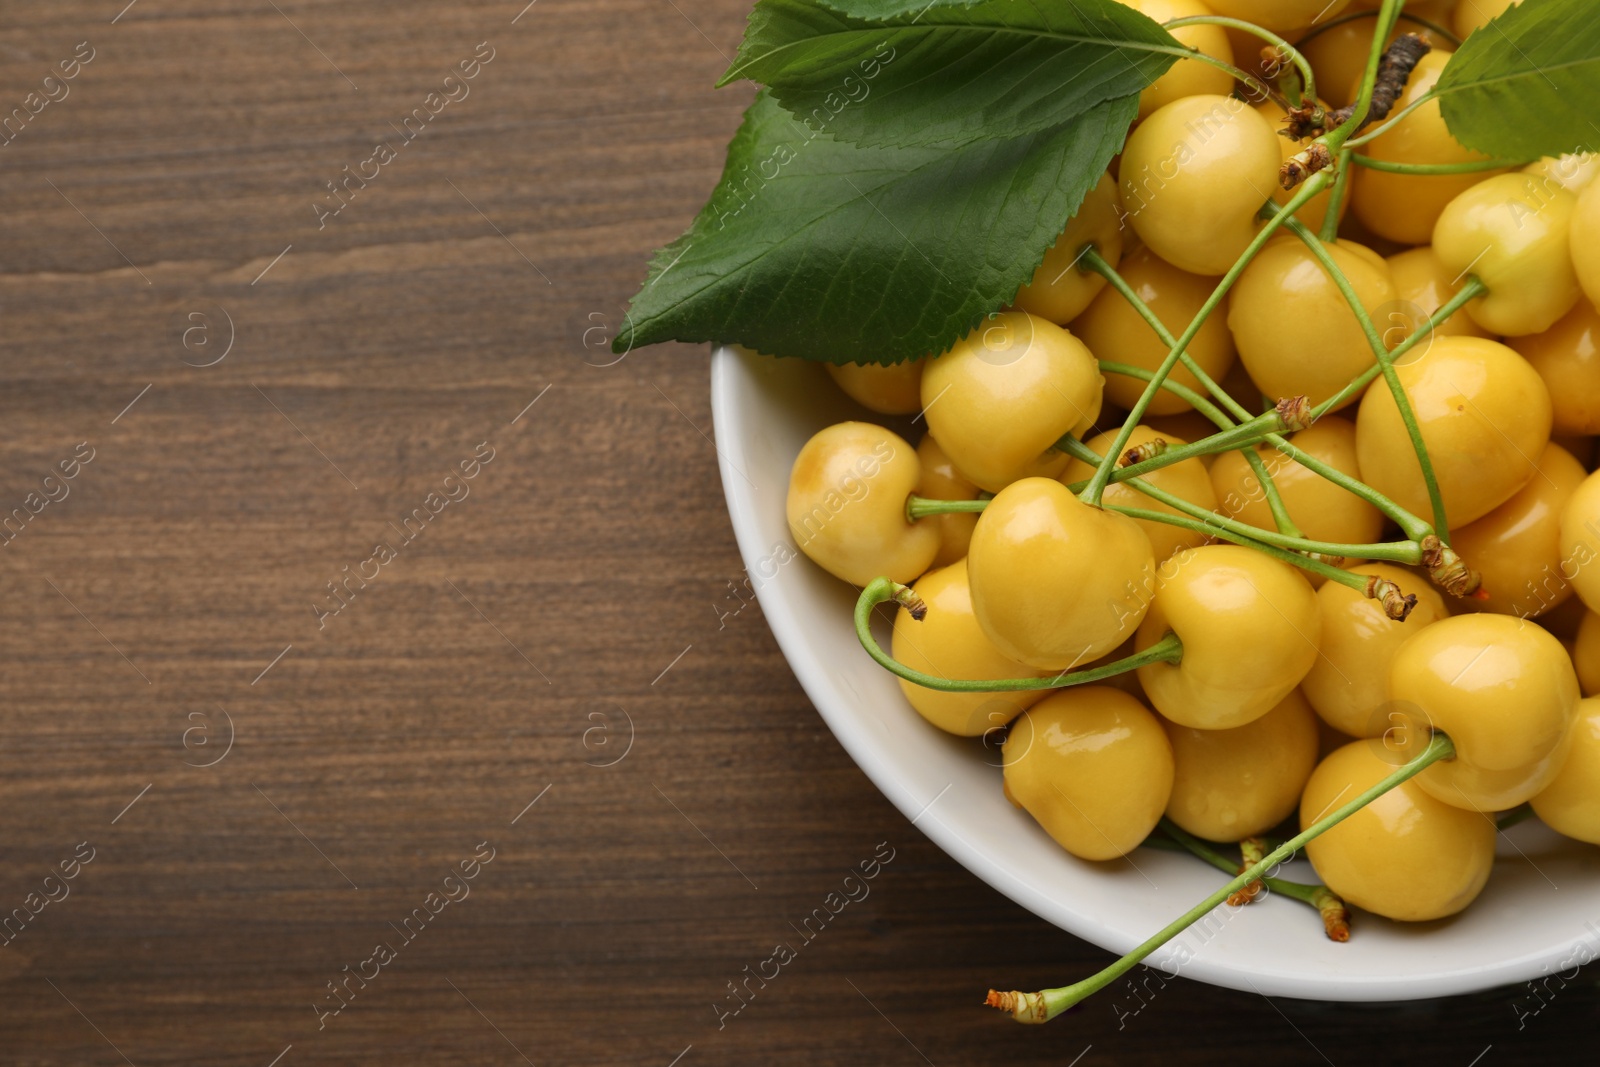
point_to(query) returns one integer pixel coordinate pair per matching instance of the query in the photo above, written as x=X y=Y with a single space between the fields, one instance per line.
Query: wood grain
x=142 y=612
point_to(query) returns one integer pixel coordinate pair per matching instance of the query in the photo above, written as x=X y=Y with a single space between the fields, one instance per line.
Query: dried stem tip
x=1396 y=605
x=1251 y=851
x=907 y=598
x=1335 y=916
x=1303 y=164
x=1447 y=570
x=1399 y=60
x=1295 y=411
x=1023 y=1007
x=1139 y=453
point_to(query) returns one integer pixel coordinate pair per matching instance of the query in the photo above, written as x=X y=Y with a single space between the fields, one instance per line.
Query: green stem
x=1047 y=1004
x=1178 y=389
x=1394 y=117
x=881 y=591
x=1293 y=890
x=1341 y=182
x=1102 y=475
x=1469 y=167
x=922 y=507
x=1380 y=352
x=1269 y=489
x=1307 y=76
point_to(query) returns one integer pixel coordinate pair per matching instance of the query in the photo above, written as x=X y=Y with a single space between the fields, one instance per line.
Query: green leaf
x=1525 y=85
x=909 y=72
x=817 y=248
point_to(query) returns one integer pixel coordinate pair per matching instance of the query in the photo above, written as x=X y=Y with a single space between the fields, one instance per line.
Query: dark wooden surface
x=499 y=656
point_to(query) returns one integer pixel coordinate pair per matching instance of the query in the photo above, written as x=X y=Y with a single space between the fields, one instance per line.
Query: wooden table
x=252 y=394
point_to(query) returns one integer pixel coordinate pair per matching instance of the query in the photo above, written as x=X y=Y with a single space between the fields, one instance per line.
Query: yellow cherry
x=1232 y=784
x=1002 y=396
x=1514 y=236
x=1193 y=176
x=1327 y=347
x=1484 y=416
x=1517 y=546
x=888 y=389
x=1348 y=685
x=1580 y=541
x=1249 y=629
x=1505 y=692
x=941 y=481
x=1186 y=77
x=1059 y=289
x=1405 y=856
x=1421 y=287
x=1187 y=479
x=1586 y=654
x=1114 y=331
x=1570 y=805
x=1323 y=511
x=947 y=643
x=1567 y=357
x=1404 y=207
x=1055 y=582
x=847 y=505
x=1584 y=238
x=1093 y=767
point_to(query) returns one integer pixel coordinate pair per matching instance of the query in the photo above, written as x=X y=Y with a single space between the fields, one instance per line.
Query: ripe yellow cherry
x=1249 y=629
x=941 y=481
x=1114 y=331
x=847 y=505
x=1404 y=207
x=947 y=643
x=1055 y=582
x=1232 y=784
x=1514 y=236
x=1059 y=289
x=1186 y=77
x=1472 y=15
x=1421 y=287
x=1572 y=172
x=1586 y=654
x=1093 y=766
x=1580 y=541
x=1314 y=211
x=1484 y=416
x=1002 y=396
x=1570 y=805
x=1280 y=16
x=1505 y=692
x=1517 y=546
x=1323 y=511
x=1405 y=856
x=1567 y=357
x=1193 y=176
x=888 y=389
x=1188 y=480
x=1327 y=347
x=1348 y=685
x=1584 y=238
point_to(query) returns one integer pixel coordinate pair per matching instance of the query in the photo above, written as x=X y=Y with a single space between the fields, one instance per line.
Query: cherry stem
x=881 y=590
x=1102 y=475
x=1381 y=353
x=1048 y=1003
x=1307 y=76
x=1469 y=167
x=1341 y=183
x=1335 y=916
x=1280 y=513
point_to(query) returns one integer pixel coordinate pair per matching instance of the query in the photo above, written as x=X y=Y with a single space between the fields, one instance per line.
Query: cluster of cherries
x=1230 y=602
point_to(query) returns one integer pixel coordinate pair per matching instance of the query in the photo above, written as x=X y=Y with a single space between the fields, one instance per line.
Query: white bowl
x=1537 y=915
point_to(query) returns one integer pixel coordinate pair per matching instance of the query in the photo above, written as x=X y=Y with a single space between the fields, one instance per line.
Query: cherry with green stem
x=1328 y=904
x=1046 y=1004
x=883 y=591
